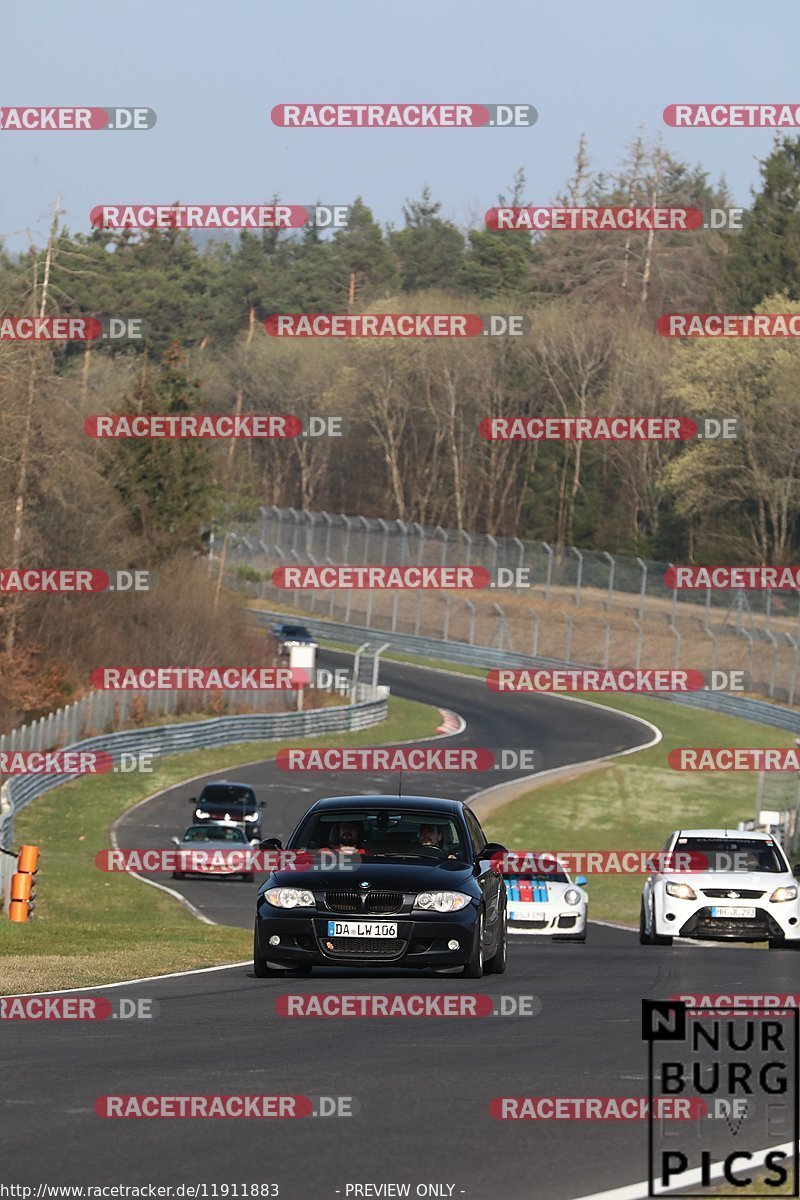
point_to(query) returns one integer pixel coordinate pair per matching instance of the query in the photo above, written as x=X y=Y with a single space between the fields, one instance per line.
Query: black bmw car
x=225 y=803
x=412 y=886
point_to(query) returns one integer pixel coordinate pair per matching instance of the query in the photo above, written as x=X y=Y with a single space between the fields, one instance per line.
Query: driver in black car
x=431 y=836
x=351 y=837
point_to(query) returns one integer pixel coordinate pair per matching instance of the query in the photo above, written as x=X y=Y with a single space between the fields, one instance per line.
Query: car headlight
x=442 y=901
x=784 y=893
x=251 y=817
x=202 y=813
x=572 y=896
x=681 y=890
x=289 y=897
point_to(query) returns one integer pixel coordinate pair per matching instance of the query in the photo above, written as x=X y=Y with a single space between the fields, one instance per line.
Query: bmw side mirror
x=271 y=844
x=177 y=841
x=262 y=804
x=193 y=799
x=581 y=881
x=492 y=848
x=796 y=869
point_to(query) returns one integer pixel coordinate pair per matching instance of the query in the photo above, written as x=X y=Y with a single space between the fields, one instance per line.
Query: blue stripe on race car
x=538 y=890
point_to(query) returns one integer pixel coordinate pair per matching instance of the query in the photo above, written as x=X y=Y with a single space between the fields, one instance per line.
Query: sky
x=213 y=72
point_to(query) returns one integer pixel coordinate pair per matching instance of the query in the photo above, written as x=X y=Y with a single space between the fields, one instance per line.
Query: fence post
x=643 y=588
x=446 y=628
x=612 y=562
x=356 y=666
x=549 y=577
x=674 y=608
x=329 y=522
x=385 y=527
x=606 y=642
x=773 y=662
x=445 y=538
x=375 y=667
x=535 y=641
x=421 y=535
x=401 y=525
x=500 y=633
x=364 y=521
x=749 y=637
x=677 y=660
x=346 y=554
x=493 y=542
x=793 y=682
x=579 y=578
x=417 y=612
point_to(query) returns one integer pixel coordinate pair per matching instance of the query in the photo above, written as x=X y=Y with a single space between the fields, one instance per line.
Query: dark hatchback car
x=413 y=886
x=292 y=635
x=227 y=803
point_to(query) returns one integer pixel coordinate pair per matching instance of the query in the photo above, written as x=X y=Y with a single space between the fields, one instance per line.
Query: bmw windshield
x=379 y=834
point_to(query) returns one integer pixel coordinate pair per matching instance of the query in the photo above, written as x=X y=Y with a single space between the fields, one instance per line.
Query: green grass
x=635 y=801
x=92 y=927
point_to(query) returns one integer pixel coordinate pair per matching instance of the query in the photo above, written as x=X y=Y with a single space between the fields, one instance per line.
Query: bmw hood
x=398 y=876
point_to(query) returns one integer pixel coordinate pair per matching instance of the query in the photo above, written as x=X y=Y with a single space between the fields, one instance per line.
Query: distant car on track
x=292 y=635
x=548 y=904
x=739 y=887
x=415 y=887
x=214 y=850
x=224 y=802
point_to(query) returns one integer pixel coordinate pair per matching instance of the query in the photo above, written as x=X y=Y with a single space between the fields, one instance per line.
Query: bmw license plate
x=720 y=910
x=362 y=929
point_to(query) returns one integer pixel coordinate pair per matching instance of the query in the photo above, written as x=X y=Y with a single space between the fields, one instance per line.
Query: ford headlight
x=784 y=893
x=681 y=891
x=289 y=897
x=444 y=902
x=572 y=896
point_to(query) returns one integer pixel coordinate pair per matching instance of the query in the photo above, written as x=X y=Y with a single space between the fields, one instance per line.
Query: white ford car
x=738 y=887
x=547 y=903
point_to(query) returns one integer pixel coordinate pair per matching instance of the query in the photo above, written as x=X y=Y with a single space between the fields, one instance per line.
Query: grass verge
x=92 y=927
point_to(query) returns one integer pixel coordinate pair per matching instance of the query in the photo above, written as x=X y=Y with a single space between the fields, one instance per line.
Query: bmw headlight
x=444 y=902
x=202 y=813
x=572 y=896
x=289 y=897
x=784 y=893
x=681 y=891
x=251 y=817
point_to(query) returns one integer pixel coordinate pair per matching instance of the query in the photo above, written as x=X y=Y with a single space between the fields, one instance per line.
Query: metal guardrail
x=161 y=740
x=489 y=656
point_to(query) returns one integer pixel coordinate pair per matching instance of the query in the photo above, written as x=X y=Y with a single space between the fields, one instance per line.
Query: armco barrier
x=489 y=656
x=175 y=739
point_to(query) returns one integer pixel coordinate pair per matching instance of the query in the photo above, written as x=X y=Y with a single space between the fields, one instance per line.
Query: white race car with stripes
x=547 y=903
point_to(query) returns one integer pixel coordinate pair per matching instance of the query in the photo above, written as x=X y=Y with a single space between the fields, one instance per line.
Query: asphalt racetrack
x=421 y=1087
